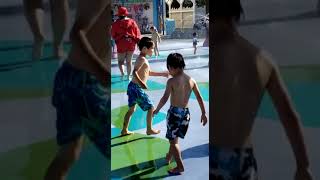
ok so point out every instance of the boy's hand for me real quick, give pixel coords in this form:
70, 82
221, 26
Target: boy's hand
204, 119
303, 174
166, 74
103, 78
143, 85
155, 112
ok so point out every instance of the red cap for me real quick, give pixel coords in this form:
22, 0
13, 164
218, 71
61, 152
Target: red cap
122, 11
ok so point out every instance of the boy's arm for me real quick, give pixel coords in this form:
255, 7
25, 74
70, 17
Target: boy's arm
288, 117
165, 96
200, 101
199, 97
82, 25
164, 74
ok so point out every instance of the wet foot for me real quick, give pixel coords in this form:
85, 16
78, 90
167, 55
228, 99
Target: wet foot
152, 131
175, 171
124, 133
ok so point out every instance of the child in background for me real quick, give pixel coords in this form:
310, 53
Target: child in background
195, 42
156, 39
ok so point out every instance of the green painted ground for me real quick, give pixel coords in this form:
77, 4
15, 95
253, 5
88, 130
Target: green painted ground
139, 157
138, 120
30, 162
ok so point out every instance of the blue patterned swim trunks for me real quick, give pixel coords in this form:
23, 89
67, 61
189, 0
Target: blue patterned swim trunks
177, 122
232, 164
136, 95
82, 106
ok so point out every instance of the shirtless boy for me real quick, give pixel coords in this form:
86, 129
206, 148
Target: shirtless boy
135, 92
179, 89
81, 88
240, 75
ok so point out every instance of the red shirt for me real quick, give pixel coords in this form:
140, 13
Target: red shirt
126, 34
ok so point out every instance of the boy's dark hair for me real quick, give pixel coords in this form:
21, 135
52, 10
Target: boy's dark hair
152, 27
175, 60
194, 34
145, 42
227, 8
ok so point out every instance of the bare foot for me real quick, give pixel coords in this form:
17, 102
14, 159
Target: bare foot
152, 131
37, 49
124, 133
168, 158
175, 171
58, 52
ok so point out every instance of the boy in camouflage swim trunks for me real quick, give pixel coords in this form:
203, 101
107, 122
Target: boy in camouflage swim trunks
179, 88
241, 74
135, 92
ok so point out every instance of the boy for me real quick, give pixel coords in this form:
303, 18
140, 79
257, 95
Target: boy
241, 74
81, 86
135, 92
156, 40
179, 88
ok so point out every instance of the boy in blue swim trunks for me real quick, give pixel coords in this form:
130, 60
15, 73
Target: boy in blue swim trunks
135, 92
81, 93
179, 89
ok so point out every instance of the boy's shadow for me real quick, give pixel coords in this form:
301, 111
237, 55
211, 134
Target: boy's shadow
196, 152
145, 168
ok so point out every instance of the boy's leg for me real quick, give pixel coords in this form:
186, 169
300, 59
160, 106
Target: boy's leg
64, 159
126, 121
59, 20
33, 11
151, 131
175, 149
169, 155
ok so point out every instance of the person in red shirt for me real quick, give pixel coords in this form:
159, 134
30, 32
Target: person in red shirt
126, 34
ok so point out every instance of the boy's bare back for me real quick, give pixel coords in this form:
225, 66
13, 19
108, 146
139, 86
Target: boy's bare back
241, 73
181, 88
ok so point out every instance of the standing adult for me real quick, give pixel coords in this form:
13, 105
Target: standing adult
126, 34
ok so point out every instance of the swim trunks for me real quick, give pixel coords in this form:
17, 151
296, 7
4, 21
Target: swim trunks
177, 122
136, 95
82, 106
232, 164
